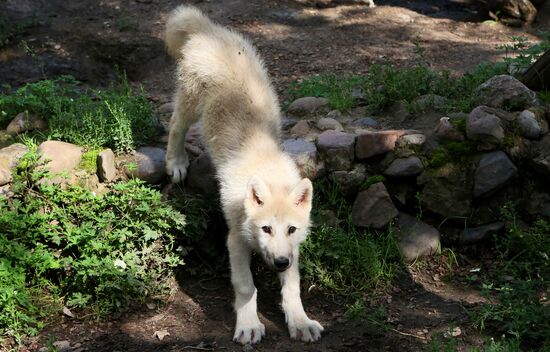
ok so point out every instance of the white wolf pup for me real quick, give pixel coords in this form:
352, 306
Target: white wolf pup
222, 81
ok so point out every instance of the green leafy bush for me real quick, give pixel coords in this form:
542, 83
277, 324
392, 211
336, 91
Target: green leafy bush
97, 252
115, 117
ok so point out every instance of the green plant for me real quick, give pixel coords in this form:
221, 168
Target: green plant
520, 53
115, 117
97, 252
344, 258
517, 308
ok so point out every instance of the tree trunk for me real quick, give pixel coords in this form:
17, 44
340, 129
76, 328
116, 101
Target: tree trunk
537, 76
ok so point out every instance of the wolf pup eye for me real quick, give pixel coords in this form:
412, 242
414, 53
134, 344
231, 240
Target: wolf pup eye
291, 230
266, 229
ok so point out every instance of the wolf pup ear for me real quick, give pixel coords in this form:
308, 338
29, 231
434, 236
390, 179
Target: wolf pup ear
301, 194
256, 194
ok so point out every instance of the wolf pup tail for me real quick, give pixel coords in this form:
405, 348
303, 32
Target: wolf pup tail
181, 24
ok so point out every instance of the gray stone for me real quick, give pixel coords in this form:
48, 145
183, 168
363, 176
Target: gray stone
446, 190
446, 131
327, 123
304, 154
148, 164
506, 92
24, 122
404, 167
106, 170
417, 239
484, 126
366, 122
307, 105
415, 139
495, 170
201, 175
370, 144
399, 111
537, 205
334, 114
349, 182
373, 207
479, 234
62, 346
336, 149
61, 157
300, 129
9, 157
541, 156
528, 125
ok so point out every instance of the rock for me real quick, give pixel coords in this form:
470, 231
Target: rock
300, 129
407, 140
5, 191
495, 169
304, 154
307, 105
484, 126
201, 175
248, 348
148, 164
446, 190
480, 234
370, 144
61, 157
536, 205
373, 207
446, 131
366, 122
399, 111
24, 122
528, 125
417, 239
540, 160
327, 123
506, 92
404, 167
62, 346
349, 182
106, 170
9, 157
336, 149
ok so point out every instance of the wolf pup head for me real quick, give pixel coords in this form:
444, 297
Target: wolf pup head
277, 220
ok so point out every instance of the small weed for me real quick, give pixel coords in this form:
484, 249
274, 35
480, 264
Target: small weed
371, 180
520, 54
89, 161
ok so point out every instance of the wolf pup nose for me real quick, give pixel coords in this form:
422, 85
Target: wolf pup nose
222, 81
281, 263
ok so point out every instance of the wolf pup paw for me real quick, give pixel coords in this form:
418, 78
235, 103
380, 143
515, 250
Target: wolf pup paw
176, 168
250, 332
305, 329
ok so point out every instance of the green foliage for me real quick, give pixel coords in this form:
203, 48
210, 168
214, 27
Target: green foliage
386, 84
115, 117
520, 54
98, 252
89, 161
341, 257
371, 180
518, 310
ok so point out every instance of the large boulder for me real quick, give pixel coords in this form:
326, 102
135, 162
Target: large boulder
416, 238
106, 169
349, 182
307, 105
404, 167
60, 157
540, 156
447, 190
474, 235
494, 171
484, 126
337, 149
24, 122
370, 144
147, 164
528, 125
9, 156
373, 207
506, 92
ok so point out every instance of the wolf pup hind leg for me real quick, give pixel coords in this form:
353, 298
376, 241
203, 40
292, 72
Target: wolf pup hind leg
222, 81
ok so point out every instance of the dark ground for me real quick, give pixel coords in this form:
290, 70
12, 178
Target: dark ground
89, 39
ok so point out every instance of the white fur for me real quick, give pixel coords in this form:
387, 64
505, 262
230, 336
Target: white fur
222, 81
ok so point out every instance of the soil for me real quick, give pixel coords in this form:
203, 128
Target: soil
93, 40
